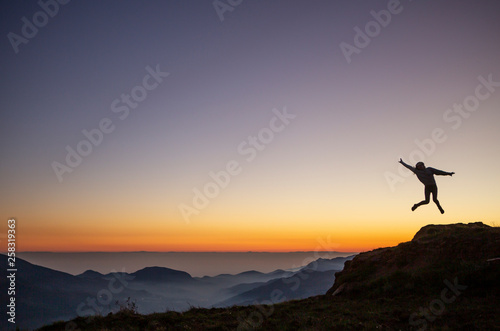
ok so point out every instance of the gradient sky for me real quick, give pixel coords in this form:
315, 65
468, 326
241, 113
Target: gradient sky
321, 179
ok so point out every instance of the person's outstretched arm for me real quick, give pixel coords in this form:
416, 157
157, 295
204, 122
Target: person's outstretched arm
441, 172
407, 165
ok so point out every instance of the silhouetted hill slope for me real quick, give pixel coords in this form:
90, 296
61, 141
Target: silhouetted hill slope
252, 276
310, 280
446, 278
435, 254
299, 286
44, 294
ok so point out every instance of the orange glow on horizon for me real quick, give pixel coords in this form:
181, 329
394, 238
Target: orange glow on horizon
198, 239
216, 231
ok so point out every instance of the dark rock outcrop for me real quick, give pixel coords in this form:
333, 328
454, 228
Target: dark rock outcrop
465, 252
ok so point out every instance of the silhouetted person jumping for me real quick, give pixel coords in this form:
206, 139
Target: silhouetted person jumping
426, 176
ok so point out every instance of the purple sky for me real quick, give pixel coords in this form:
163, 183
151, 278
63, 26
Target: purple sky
327, 168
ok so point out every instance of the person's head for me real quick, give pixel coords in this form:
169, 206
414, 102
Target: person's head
420, 166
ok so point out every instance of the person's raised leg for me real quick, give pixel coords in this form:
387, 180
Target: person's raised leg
427, 194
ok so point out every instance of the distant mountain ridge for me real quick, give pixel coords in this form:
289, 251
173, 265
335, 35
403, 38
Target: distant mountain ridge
160, 274
49, 295
297, 286
90, 274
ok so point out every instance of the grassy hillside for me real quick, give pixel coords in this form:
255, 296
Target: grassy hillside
445, 278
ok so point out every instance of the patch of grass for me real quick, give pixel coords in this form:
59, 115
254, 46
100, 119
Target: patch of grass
317, 313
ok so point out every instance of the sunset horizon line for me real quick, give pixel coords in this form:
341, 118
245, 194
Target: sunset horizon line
197, 251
